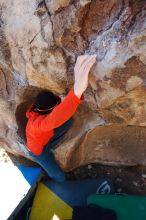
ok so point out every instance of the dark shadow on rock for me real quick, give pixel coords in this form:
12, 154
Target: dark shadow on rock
28, 95
21, 119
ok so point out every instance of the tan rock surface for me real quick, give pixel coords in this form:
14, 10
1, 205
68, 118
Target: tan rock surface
39, 43
56, 5
112, 145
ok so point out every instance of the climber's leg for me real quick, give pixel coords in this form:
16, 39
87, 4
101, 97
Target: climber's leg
46, 158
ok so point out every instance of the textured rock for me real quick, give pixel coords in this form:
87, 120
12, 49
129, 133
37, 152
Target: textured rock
54, 6
112, 145
39, 43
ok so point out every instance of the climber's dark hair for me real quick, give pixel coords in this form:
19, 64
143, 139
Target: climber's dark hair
45, 101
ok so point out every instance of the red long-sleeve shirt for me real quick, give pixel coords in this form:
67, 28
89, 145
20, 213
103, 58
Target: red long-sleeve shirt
40, 128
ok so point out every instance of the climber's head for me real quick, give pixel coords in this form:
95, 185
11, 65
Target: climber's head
45, 102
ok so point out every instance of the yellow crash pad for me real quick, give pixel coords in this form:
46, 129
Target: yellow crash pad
48, 206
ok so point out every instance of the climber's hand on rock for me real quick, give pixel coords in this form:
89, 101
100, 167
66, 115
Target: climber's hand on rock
81, 72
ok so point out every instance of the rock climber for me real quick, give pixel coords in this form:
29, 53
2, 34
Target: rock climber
49, 119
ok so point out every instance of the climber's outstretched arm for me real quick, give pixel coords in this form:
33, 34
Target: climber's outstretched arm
66, 109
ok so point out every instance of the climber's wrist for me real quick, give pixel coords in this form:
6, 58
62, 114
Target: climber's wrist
78, 91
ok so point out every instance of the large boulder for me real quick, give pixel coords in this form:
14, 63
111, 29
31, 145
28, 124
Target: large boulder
40, 41
111, 144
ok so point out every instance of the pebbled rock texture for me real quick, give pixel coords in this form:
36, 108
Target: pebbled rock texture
39, 44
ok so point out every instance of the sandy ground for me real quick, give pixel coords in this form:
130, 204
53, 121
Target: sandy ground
129, 180
4, 157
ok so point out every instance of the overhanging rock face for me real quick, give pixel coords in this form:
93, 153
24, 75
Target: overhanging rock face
40, 41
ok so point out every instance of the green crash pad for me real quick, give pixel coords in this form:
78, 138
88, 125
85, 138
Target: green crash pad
127, 207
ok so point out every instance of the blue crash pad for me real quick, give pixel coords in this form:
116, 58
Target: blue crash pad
76, 192
31, 174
